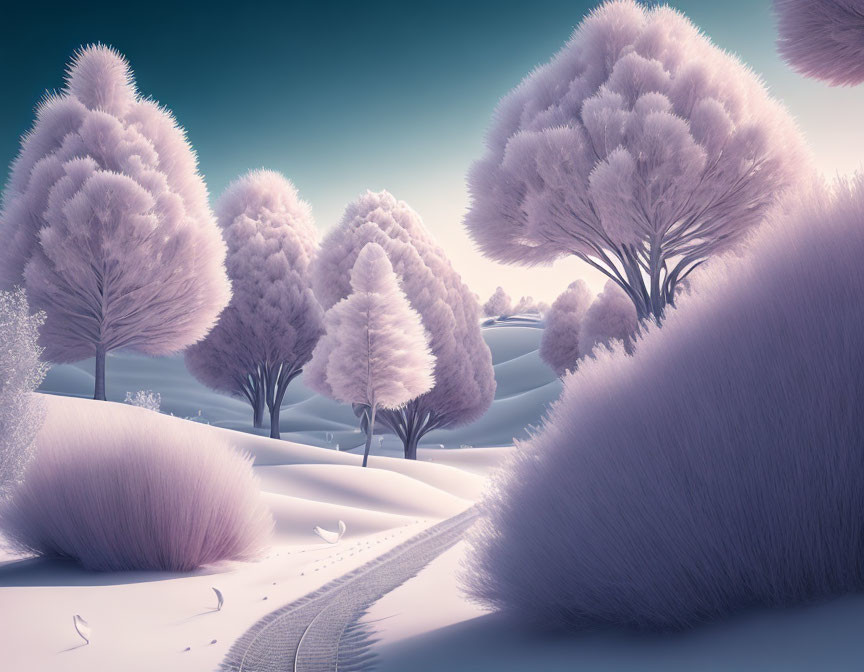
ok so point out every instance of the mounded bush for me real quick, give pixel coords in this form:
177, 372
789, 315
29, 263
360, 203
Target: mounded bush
136, 491
718, 468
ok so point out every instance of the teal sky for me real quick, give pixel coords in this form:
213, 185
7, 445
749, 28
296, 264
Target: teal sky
342, 97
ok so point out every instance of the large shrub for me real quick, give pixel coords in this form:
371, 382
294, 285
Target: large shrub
720, 467
136, 491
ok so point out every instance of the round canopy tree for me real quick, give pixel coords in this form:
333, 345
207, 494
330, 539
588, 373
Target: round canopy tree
464, 378
560, 346
823, 39
640, 148
107, 223
269, 329
611, 317
498, 305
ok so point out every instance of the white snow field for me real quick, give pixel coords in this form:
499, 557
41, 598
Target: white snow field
148, 620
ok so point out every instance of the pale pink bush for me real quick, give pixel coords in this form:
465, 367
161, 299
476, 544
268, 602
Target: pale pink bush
715, 470
144, 492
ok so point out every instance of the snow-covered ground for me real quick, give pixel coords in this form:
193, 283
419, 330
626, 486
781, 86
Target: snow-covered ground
430, 626
146, 621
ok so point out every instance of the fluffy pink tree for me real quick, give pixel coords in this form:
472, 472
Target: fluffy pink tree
498, 305
375, 352
640, 148
464, 378
526, 304
823, 38
106, 221
560, 346
268, 331
611, 317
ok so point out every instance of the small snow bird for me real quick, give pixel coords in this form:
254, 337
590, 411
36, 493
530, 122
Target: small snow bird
82, 627
220, 600
331, 537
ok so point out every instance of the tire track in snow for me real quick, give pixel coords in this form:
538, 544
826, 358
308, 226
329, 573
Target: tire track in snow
321, 632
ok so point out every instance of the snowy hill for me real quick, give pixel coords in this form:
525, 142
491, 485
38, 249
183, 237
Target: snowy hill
526, 386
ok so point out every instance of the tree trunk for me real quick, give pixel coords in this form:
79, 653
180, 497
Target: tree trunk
369, 432
99, 392
274, 415
410, 443
258, 410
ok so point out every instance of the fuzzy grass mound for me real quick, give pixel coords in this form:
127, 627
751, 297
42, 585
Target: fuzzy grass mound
719, 468
136, 491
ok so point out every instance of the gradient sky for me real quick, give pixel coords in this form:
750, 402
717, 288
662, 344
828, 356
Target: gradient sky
342, 97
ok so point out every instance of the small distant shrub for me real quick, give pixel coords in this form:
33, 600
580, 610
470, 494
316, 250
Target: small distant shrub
145, 399
143, 493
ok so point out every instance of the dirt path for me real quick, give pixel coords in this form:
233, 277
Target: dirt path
321, 632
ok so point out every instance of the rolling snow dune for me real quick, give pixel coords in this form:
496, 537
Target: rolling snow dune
373, 489
148, 620
525, 389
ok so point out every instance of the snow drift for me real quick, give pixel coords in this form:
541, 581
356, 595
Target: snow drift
718, 468
125, 494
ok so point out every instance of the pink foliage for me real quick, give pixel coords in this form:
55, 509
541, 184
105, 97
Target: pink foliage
498, 305
464, 378
560, 346
106, 220
375, 351
640, 148
526, 304
268, 331
145, 492
716, 469
611, 317
823, 38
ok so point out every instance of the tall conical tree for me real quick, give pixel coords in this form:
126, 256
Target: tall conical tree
106, 221
464, 378
375, 351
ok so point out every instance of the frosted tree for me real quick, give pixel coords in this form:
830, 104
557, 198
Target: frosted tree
269, 329
526, 304
640, 148
823, 39
560, 347
21, 371
498, 305
106, 221
375, 352
611, 317
464, 378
